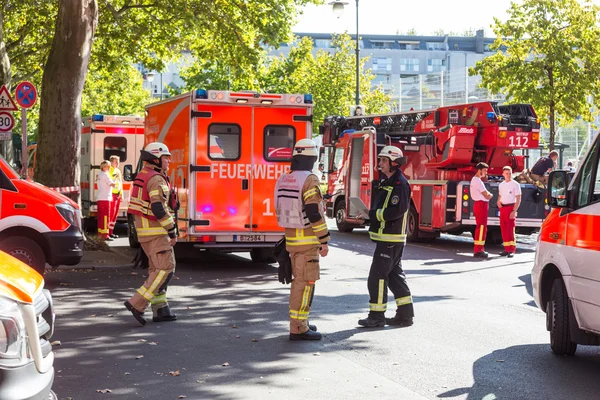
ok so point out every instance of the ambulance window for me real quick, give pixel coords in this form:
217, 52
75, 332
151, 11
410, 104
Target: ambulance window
589, 176
224, 141
279, 142
115, 146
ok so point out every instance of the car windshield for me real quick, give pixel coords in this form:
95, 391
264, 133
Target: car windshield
12, 171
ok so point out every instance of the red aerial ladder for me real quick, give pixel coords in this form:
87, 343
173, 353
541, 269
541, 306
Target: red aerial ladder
441, 147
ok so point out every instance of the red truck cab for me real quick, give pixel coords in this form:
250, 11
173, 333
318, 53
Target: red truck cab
37, 225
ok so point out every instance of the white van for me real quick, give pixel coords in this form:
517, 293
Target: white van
566, 273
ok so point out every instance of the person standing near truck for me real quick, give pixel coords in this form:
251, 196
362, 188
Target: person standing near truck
509, 200
104, 200
117, 194
481, 197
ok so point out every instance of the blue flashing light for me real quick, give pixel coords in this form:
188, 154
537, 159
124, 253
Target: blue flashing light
207, 209
201, 94
97, 117
308, 99
491, 115
347, 131
232, 210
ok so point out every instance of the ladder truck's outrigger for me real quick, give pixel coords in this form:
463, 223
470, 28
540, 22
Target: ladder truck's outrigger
441, 148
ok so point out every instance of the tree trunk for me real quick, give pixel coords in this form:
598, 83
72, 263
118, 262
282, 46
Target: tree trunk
62, 84
5, 69
552, 109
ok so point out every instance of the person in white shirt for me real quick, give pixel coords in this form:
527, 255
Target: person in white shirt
509, 200
481, 196
103, 200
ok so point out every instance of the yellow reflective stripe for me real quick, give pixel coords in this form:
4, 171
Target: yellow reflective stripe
385, 204
380, 292
478, 243
164, 188
379, 214
157, 281
388, 237
140, 202
404, 219
144, 293
167, 222
153, 193
319, 228
309, 193
161, 298
481, 234
305, 299
300, 315
377, 307
151, 231
301, 242
403, 300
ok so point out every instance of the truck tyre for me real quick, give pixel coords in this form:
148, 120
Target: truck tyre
412, 225
340, 218
262, 255
131, 233
25, 250
558, 314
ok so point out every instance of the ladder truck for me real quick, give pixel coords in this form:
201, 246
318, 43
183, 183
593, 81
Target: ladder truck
441, 148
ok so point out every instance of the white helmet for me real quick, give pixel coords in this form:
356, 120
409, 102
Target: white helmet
157, 149
391, 152
306, 147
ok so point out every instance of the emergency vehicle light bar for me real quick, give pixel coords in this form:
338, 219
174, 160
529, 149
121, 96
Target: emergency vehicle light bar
98, 117
252, 97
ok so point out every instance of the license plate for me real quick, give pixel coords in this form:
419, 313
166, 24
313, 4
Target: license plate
249, 238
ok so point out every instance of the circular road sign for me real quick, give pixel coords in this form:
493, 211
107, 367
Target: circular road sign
6, 121
26, 95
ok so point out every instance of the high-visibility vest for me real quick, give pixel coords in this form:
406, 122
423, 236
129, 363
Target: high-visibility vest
139, 203
116, 176
288, 200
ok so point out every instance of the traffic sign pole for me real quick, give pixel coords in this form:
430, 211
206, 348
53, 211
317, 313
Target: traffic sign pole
24, 142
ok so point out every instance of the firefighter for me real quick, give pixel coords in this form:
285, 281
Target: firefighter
155, 227
388, 216
509, 200
299, 208
481, 197
117, 194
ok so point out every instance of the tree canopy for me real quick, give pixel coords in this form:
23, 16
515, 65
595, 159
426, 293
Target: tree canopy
547, 54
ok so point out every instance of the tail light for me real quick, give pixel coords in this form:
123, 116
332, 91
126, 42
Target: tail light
502, 134
535, 136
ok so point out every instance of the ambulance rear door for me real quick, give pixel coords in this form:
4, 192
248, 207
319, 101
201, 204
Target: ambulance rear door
361, 171
276, 130
223, 158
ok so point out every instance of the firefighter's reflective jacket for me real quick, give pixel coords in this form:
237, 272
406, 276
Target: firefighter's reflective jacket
149, 204
390, 210
299, 207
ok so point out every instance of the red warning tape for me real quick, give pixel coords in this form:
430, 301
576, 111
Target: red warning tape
66, 189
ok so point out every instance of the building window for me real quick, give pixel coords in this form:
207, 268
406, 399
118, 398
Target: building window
224, 141
382, 64
409, 64
409, 46
380, 78
436, 46
436, 65
382, 44
322, 43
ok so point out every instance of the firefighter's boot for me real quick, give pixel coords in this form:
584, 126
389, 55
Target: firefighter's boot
136, 314
163, 315
399, 321
376, 319
308, 335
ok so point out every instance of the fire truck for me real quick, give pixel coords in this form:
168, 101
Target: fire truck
103, 136
227, 151
441, 148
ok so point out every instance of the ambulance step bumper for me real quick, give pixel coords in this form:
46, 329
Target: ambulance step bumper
66, 248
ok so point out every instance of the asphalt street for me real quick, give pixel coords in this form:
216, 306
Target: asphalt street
477, 332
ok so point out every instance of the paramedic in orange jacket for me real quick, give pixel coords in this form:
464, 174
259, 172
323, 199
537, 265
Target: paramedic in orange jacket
155, 227
299, 207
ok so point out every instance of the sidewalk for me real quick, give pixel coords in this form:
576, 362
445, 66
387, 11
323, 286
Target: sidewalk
119, 255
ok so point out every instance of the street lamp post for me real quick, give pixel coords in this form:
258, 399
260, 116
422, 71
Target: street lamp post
338, 10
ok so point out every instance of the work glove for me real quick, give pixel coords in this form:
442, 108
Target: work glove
284, 271
141, 259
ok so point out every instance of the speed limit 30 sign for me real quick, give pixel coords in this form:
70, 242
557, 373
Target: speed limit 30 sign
6, 121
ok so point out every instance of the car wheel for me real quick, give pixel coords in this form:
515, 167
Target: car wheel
558, 309
25, 250
262, 255
412, 225
131, 233
340, 218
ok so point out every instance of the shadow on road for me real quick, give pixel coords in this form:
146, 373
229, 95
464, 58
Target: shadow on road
527, 371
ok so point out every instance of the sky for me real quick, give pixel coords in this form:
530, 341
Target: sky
390, 16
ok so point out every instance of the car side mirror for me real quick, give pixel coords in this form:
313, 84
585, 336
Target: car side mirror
557, 189
128, 173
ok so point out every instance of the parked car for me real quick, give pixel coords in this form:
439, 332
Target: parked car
566, 273
26, 326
